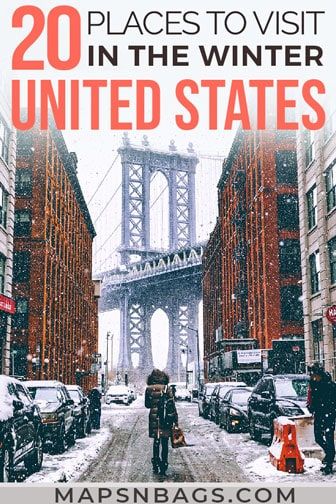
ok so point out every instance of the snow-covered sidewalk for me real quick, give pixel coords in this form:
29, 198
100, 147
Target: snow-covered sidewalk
71, 464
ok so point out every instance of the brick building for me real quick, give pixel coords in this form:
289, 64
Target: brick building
55, 328
7, 186
257, 289
317, 191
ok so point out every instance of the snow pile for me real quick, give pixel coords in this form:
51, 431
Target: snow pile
71, 464
262, 468
6, 402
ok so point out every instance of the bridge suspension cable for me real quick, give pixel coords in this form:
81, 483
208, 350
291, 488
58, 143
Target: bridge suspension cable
118, 226
107, 204
103, 179
110, 236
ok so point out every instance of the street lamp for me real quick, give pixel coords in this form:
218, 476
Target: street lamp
109, 337
198, 356
14, 352
185, 348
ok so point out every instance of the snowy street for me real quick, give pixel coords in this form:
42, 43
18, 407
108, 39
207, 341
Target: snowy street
121, 452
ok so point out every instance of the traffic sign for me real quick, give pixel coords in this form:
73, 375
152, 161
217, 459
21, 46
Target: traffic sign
331, 314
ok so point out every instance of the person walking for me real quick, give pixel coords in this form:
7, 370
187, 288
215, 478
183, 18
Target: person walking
159, 399
95, 407
321, 403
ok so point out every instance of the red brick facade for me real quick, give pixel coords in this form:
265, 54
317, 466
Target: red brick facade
57, 321
256, 297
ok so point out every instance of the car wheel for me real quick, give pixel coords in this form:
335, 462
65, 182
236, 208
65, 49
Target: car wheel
60, 445
33, 463
71, 438
7, 474
271, 433
82, 429
228, 425
88, 427
254, 432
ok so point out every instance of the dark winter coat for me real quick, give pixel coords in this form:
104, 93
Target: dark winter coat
95, 400
152, 397
322, 397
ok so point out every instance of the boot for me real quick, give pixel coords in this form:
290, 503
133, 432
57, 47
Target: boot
155, 464
163, 468
328, 469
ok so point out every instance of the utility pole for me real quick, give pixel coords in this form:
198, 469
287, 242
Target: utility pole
187, 364
112, 336
108, 337
198, 356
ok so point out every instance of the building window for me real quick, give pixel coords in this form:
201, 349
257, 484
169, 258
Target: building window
23, 182
2, 273
291, 303
288, 212
290, 257
20, 318
21, 267
3, 206
332, 259
286, 167
4, 140
312, 207
22, 223
309, 148
330, 178
315, 269
317, 332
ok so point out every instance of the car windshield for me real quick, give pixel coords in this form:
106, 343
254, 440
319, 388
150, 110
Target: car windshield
240, 396
295, 387
223, 390
75, 396
45, 394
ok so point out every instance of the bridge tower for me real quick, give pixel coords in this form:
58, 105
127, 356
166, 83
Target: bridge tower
138, 166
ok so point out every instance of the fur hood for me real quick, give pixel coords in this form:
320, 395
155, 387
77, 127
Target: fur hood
158, 377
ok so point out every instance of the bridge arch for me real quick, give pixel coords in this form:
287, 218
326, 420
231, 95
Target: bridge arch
159, 211
160, 338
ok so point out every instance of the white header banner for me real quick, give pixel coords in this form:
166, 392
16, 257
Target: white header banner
248, 356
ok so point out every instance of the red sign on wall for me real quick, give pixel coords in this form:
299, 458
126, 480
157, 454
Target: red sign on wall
331, 314
7, 304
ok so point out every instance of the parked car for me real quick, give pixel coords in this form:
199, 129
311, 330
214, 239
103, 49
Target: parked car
56, 406
81, 410
20, 430
217, 396
118, 394
204, 396
233, 410
181, 391
273, 396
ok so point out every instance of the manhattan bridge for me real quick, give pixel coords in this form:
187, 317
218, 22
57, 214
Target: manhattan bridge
151, 260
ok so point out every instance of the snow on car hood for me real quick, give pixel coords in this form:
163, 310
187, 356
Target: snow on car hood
46, 406
6, 402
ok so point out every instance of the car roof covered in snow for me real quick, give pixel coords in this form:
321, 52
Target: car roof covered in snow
290, 376
43, 383
4, 379
6, 401
73, 387
232, 384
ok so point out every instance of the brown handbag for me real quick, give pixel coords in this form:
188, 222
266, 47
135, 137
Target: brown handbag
177, 437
